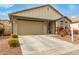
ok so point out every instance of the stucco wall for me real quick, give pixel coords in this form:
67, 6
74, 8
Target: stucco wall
53, 27
43, 12
14, 26
45, 27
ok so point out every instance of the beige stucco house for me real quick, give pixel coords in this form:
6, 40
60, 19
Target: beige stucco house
38, 20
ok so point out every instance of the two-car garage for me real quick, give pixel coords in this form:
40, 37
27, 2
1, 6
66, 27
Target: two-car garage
30, 27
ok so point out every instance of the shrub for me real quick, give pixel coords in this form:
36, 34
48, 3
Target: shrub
76, 31
13, 42
63, 33
1, 31
14, 36
68, 32
59, 29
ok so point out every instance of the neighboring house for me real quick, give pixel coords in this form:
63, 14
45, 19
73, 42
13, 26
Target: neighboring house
39, 20
1, 25
7, 26
75, 23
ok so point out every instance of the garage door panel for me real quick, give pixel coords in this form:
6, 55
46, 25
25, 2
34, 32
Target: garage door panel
29, 27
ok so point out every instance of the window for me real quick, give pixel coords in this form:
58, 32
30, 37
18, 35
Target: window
65, 21
61, 22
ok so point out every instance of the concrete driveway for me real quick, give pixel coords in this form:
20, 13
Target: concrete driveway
45, 44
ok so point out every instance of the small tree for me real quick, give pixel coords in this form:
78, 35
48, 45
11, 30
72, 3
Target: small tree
1, 31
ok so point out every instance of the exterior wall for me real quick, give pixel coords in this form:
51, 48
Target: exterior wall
45, 27
53, 28
43, 13
75, 26
58, 23
14, 26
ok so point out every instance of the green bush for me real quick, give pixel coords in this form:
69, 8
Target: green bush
1, 31
13, 42
14, 36
62, 34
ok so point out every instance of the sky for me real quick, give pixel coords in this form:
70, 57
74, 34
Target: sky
70, 10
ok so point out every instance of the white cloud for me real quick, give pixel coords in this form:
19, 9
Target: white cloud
74, 16
5, 6
5, 13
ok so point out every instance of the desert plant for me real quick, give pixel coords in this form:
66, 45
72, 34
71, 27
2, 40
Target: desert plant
13, 42
63, 33
76, 31
59, 29
1, 31
14, 36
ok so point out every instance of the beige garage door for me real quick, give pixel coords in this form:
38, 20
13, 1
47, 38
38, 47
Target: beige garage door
29, 27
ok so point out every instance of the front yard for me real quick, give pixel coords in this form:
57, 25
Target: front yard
66, 35
68, 38
31, 44
6, 50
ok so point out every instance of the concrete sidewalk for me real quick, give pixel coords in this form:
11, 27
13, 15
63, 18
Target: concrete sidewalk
45, 44
75, 52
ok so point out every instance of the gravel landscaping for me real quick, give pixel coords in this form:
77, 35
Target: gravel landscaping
6, 50
68, 38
